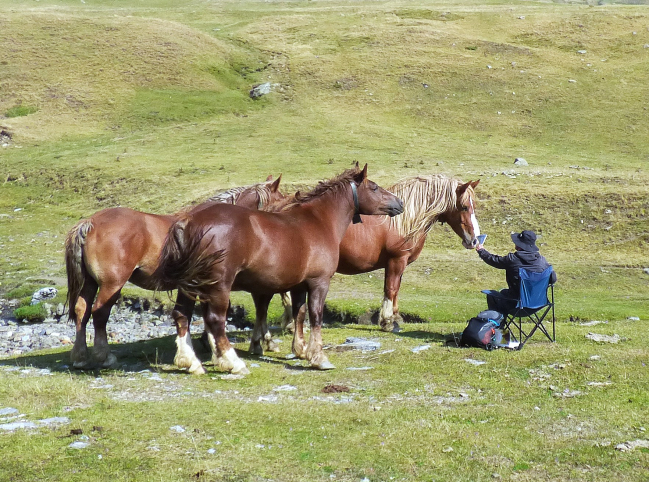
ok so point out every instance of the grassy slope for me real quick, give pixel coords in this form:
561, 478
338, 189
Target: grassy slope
129, 103
145, 105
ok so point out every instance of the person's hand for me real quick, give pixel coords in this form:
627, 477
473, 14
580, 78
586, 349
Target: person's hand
478, 247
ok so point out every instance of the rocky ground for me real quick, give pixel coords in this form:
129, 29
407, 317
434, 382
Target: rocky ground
130, 321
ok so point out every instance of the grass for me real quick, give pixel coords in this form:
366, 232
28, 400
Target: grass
146, 105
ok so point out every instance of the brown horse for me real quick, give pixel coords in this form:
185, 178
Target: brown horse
392, 244
223, 248
117, 245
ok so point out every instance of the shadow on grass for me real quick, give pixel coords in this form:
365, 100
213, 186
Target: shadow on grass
155, 355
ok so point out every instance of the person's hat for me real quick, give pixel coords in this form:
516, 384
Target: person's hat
525, 240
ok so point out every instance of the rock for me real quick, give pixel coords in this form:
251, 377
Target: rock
519, 161
420, 348
646, 270
592, 323
260, 90
79, 445
363, 344
43, 294
603, 338
7, 411
633, 318
177, 429
582, 52
474, 362
631, 446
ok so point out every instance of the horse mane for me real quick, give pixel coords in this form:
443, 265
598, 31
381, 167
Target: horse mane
337, 183
424, 198
231, 196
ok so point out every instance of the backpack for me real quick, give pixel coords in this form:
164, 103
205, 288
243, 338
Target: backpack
481, 330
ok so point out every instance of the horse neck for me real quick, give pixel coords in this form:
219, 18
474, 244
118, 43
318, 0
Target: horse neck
332, 209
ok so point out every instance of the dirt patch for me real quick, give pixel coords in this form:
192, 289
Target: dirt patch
335, 389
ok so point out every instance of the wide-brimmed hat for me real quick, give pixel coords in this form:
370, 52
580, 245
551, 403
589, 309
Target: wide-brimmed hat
525, 240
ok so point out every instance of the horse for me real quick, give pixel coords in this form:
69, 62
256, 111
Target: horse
394, 243
117, 245
225, 248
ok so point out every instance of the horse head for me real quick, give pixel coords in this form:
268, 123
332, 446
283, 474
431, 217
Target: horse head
259, 195
462, 219
370, 198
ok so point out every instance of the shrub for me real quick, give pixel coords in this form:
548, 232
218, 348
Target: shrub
31, 314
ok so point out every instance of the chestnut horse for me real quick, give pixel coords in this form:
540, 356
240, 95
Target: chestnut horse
224, 248
117, 245
392, 244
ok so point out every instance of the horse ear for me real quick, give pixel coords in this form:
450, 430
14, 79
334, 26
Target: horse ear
462, 188
275, 186
269, 178
475, 183
365, 172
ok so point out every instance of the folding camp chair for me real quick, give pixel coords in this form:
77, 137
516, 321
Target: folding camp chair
536, 301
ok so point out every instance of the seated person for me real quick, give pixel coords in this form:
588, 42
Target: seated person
525, 256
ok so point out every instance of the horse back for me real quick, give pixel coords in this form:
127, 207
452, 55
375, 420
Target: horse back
265, 251
122, 239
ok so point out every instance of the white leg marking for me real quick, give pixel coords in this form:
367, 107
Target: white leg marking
186, 357
238, 366
387, 310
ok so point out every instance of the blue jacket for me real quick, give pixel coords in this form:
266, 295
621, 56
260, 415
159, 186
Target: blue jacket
530, 260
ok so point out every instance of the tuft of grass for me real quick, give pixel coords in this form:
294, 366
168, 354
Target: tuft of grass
31, 313
20, 111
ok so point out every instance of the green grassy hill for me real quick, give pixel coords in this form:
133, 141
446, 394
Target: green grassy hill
146, 105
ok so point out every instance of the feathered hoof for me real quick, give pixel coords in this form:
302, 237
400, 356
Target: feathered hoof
323, 365
272, 346
299, 351
242, 370
290, 327
197, 368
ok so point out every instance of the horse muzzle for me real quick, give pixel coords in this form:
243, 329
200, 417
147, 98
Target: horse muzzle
394, 208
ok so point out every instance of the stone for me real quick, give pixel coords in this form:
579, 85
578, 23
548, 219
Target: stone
631, 446
44, 294
519, 161
260, 90
363, 344
420, 348
603, 338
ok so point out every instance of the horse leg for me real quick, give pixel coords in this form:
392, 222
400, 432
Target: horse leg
314, 353
288, 321
260, 331
106, 298
393, 274
298, 302
223, 355
82, 311
185, 355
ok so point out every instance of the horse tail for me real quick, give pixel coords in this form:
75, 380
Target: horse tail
74, 265
183, 262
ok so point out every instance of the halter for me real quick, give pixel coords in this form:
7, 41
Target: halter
357, 215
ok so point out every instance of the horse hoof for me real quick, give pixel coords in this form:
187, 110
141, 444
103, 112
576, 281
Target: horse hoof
325, 365
256, 349
109, 361
389, 327
272, 346
396, 329
242, 370
197, 369
81, 365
